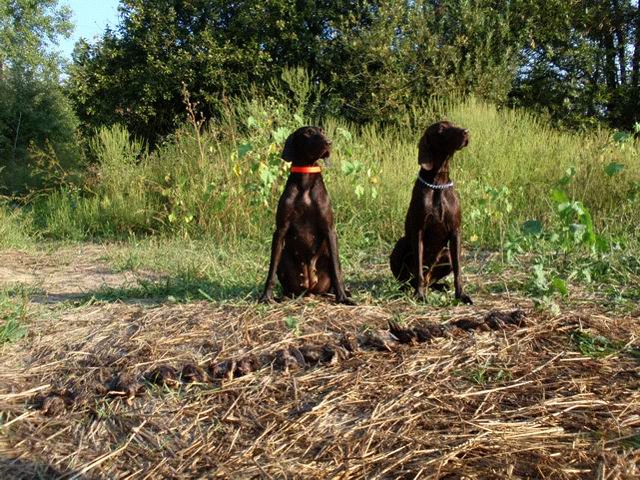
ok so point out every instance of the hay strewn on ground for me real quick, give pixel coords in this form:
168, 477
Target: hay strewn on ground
510, 403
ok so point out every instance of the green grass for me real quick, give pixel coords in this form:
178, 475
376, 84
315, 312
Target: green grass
203, 270
192, 269
224, 183
484, 375
598, 346
293, 324
15, 228
632, 442
13, 316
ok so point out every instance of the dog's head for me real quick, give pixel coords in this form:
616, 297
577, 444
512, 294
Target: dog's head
439, 142
306, 145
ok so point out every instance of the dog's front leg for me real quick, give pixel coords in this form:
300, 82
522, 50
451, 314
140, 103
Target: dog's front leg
336, 271
277, 246
418, 248
454, 249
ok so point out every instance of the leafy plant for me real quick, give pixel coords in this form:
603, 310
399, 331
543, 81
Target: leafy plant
598, 346
293, 324
487, 374
364, 179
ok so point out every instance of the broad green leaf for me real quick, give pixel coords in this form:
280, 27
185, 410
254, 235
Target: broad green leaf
532, 227
559, 196
281, 134
621, 137
613, 168
568, 175
244, 149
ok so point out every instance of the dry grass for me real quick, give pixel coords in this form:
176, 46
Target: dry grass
517, 402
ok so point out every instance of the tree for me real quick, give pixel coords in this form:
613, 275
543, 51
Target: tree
375, 57
570, 58
34, 113
136, 74
402, 53
577, 64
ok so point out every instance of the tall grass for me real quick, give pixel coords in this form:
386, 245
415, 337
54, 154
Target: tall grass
15, 228
222, 180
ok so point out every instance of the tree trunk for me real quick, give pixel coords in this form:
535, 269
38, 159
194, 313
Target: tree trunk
609, 59
635, 64
619, 30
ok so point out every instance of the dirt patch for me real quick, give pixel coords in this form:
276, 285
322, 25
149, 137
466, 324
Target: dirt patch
67, 274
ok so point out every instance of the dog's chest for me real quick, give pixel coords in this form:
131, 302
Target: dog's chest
309, 218
440, 213
308, 207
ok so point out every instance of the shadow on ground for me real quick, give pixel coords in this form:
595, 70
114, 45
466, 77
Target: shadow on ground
173, 289
19, 469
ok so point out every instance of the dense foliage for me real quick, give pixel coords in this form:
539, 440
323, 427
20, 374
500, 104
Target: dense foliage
34, 112
370, 62
582, 62
575, 59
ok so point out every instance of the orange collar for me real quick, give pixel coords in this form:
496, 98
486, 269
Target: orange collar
311, 169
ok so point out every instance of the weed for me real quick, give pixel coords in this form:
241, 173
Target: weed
293, 324
13, 315
631, 442
598, 346
222, 179
486, 374
16, 227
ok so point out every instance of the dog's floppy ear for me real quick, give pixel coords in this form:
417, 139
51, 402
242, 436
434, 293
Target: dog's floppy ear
288, 152
425, 153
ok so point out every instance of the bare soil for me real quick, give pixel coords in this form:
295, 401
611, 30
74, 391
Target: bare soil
66, 274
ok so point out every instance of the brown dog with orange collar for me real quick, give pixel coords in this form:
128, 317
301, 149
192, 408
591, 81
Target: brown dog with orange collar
304, 249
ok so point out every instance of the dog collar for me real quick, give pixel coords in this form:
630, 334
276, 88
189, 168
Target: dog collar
443, 186
311, 169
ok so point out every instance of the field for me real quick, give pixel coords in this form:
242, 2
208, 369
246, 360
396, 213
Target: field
133, 347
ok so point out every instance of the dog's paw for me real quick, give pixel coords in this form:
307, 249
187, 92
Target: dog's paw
266, 299
420, 296
464, 298
346, 301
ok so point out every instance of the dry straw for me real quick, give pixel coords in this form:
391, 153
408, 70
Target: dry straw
515, 402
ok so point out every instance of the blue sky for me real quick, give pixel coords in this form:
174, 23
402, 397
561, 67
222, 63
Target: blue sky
90, 18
